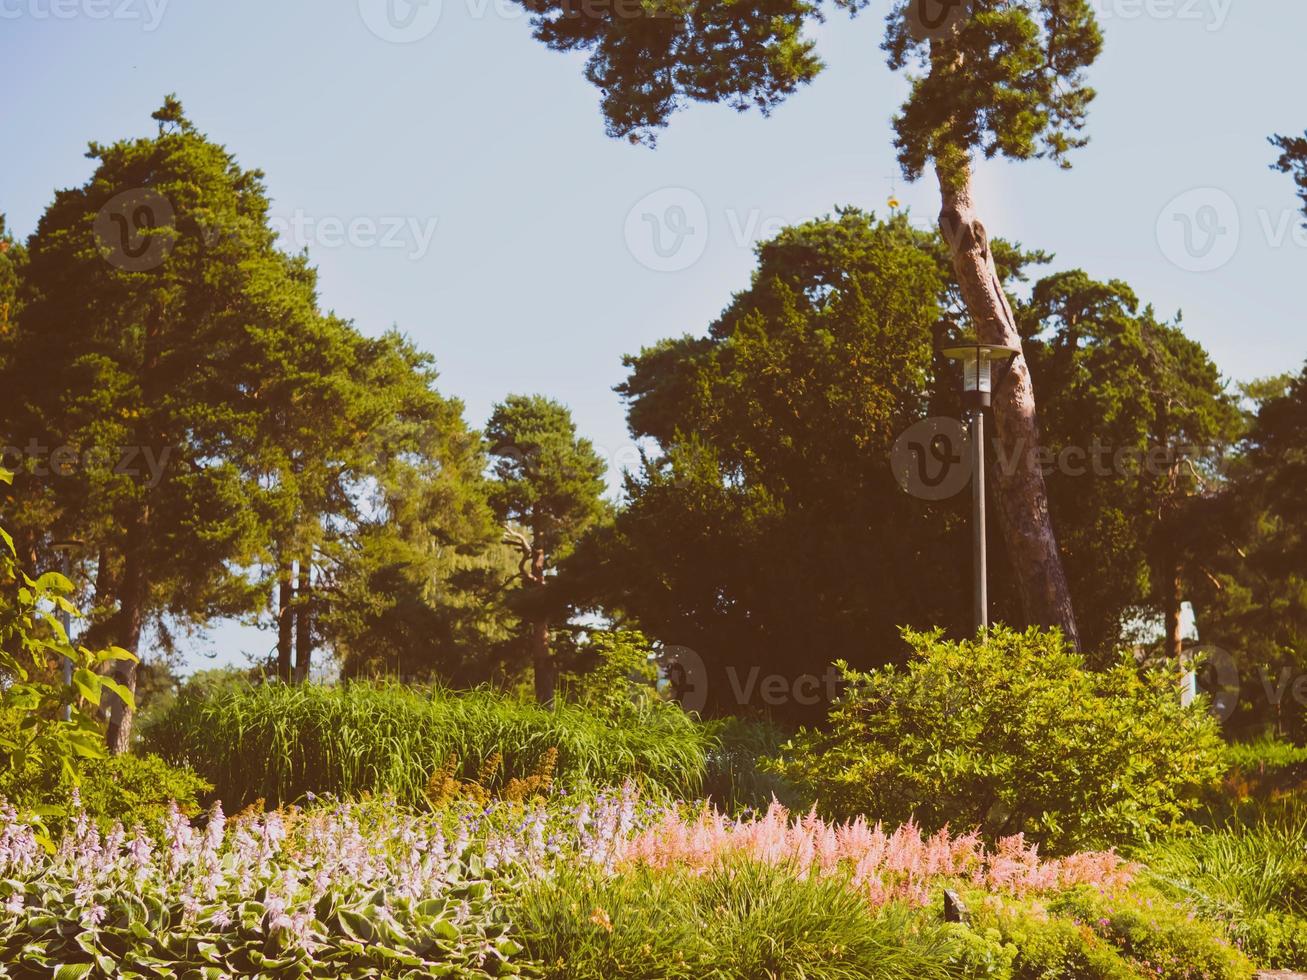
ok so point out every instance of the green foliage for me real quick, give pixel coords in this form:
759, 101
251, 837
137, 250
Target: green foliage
547, 479
34, 647
356, 933
1153, 934
980, 955
652, 57
1262, 770
1011, 734
402, 569
1250, 875
548, 493
1293, 160
279, 743
617, 675
1254, 604
1009, 81
120, 788
739, 921
1142, 418
738, 778
1265, 753
1276, 939
1054, 948
768, 533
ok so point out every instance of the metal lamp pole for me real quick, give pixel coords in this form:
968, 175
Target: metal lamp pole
979, 561
977, 360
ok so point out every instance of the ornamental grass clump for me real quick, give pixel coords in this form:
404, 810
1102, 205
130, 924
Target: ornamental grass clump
279, 742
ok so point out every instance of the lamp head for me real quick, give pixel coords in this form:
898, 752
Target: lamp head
976, 359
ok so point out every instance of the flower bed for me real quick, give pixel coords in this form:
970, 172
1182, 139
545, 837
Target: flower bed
369, 888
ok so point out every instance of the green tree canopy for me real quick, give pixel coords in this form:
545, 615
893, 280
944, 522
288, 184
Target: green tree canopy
1137, 421
766, 531
998, 78
547, 490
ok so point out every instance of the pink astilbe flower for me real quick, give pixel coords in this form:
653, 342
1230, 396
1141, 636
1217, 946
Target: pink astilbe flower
899, 865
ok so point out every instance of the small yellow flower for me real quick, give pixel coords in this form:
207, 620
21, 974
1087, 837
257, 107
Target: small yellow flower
600, 918
894, 202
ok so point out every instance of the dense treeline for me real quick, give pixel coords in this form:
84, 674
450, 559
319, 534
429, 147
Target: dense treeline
219, 446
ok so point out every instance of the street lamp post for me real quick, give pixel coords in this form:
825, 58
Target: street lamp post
64, 549
977, 360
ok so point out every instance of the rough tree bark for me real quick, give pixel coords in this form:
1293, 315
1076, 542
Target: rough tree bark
1023, 499
531, 568
303, 623
131, 615
285, 620
542, 662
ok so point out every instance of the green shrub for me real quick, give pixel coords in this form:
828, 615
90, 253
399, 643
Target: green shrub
1265, 754
1058, 949
1156, 936
280, 743
1276, 939
741, 920
127, 788
979, 955
1012, 734
34, 648
618, 679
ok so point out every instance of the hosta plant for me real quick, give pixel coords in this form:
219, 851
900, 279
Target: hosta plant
333, 893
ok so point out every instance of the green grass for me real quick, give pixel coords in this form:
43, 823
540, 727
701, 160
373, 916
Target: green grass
1248, 873
740, 921
1243, 867
279, 742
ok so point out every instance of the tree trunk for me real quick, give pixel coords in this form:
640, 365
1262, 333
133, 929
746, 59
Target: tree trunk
303, 623
131, 614
1023, 498
542, 663
546, 673
285, 620
1173, 594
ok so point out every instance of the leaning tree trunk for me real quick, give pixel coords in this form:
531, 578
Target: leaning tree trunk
1023, 498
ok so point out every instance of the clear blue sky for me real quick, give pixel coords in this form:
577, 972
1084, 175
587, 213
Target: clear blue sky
539, 274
